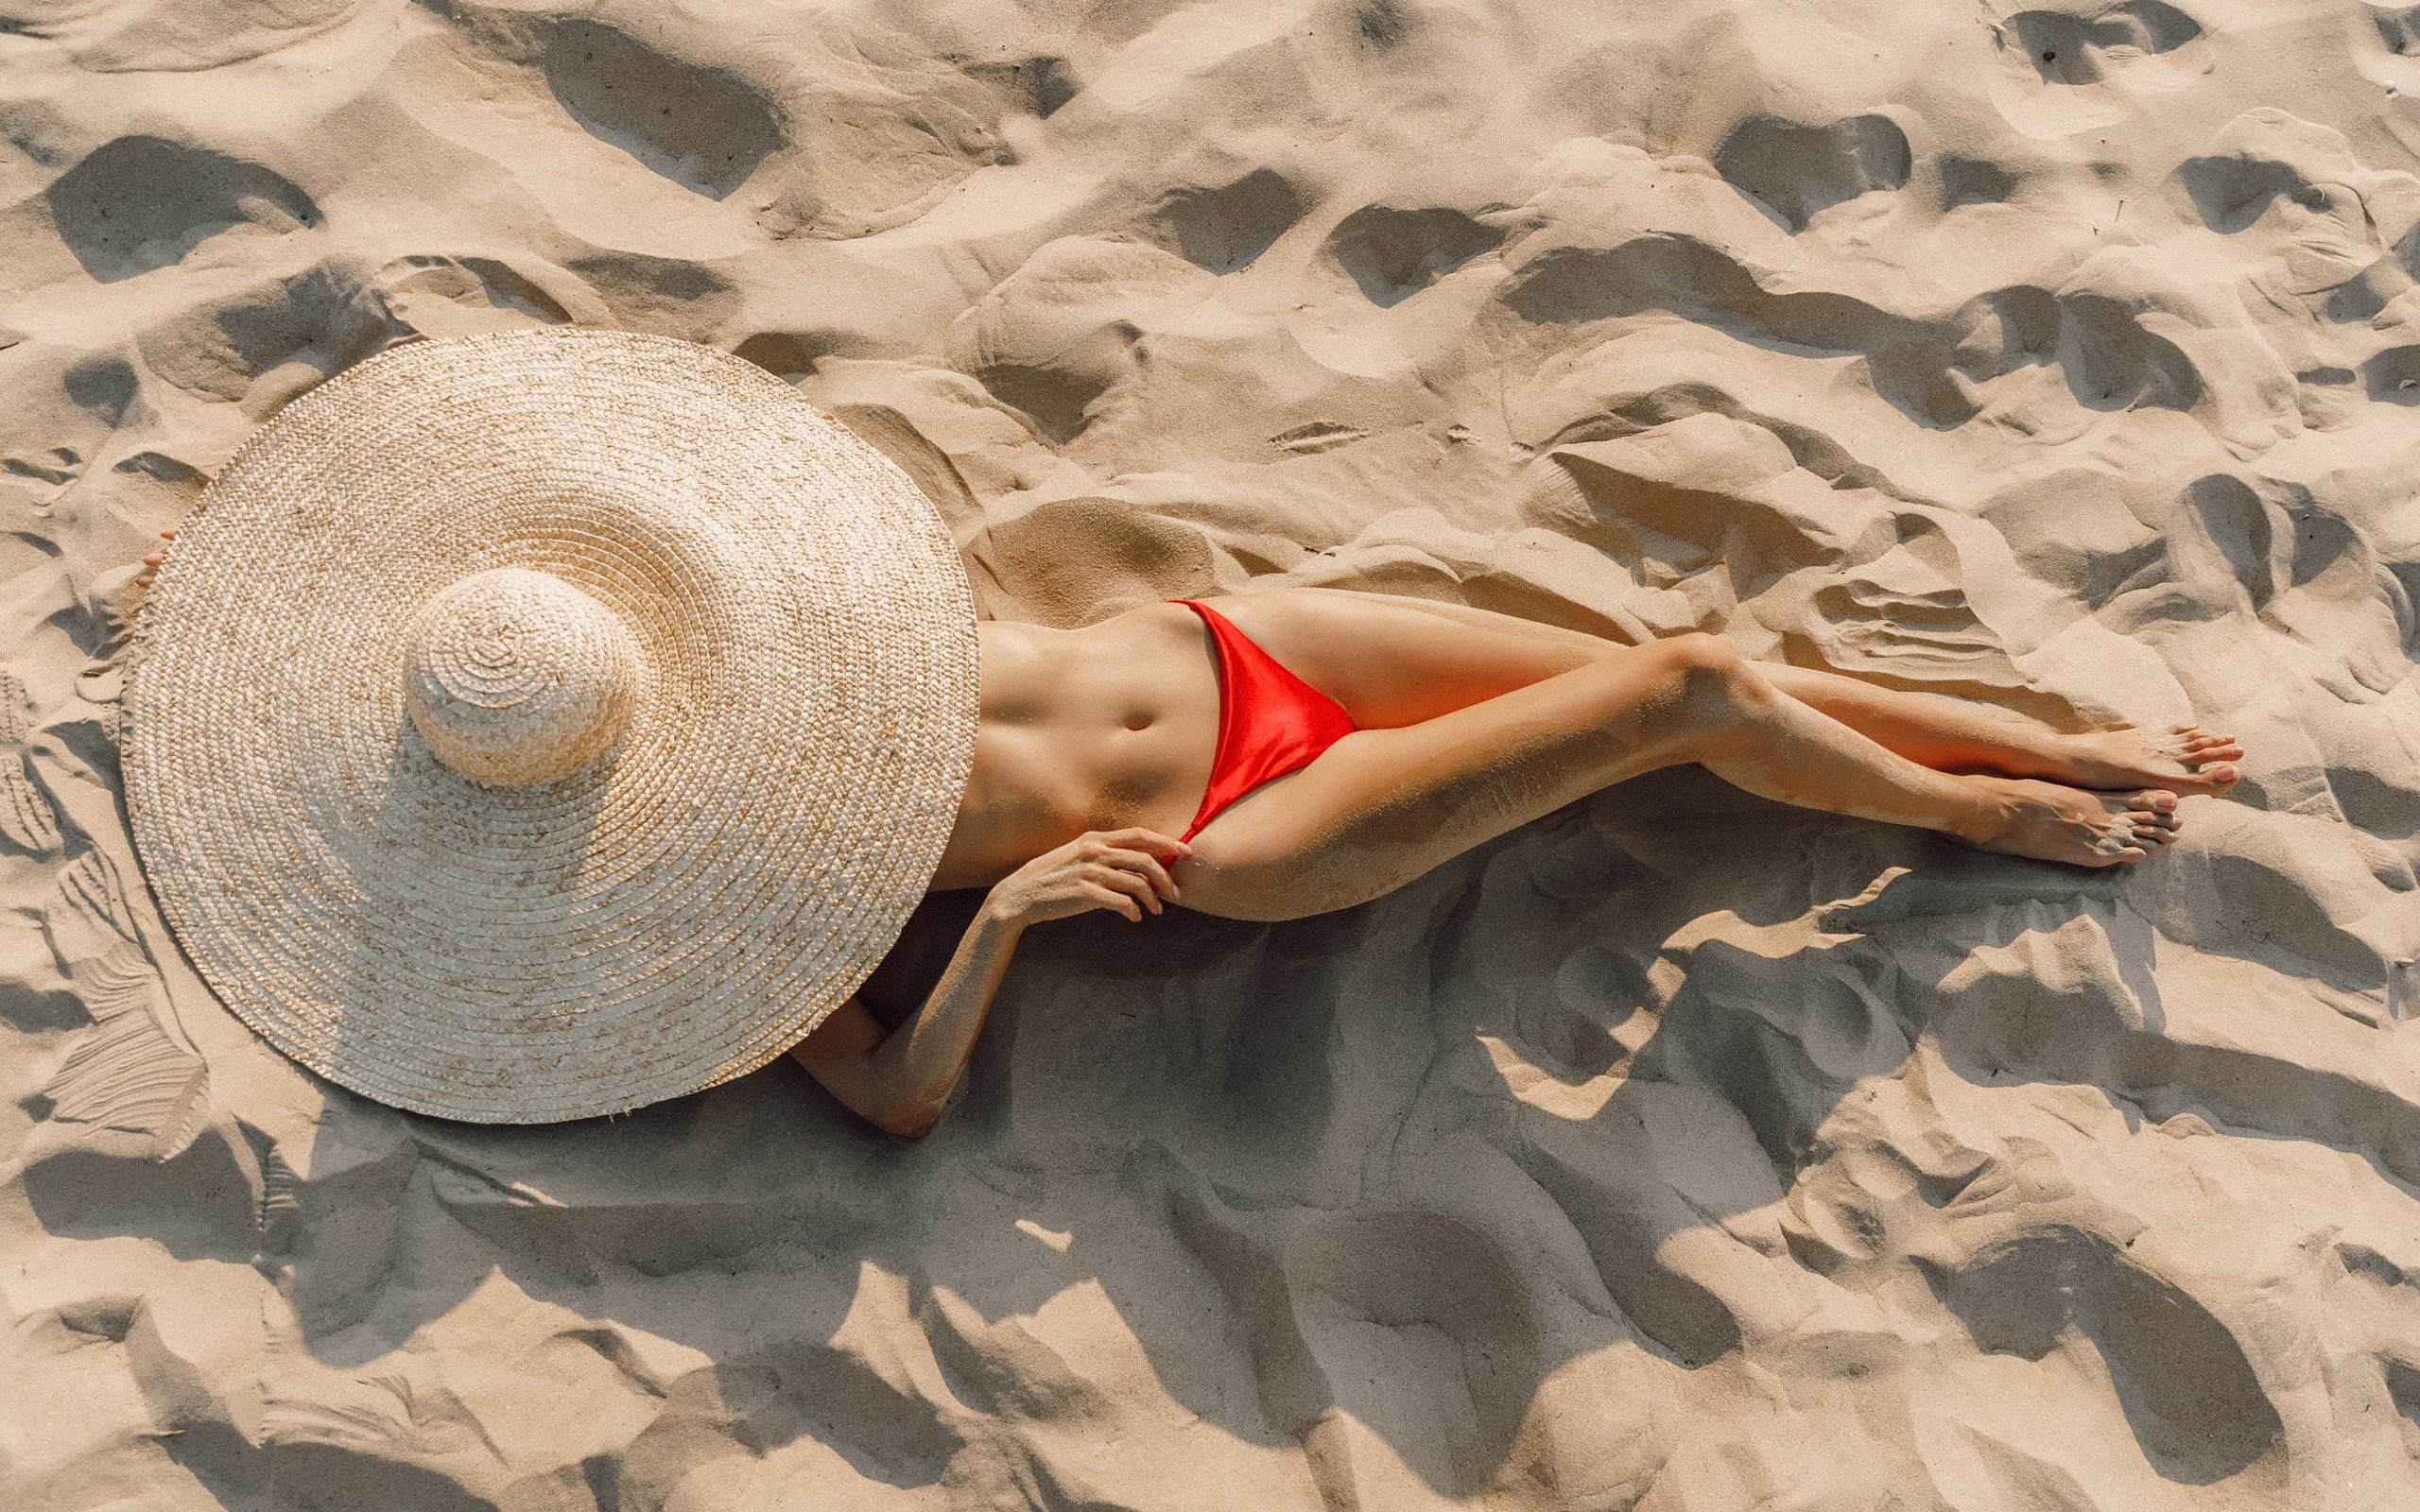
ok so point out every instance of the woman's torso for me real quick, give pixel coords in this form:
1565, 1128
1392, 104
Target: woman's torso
1094, 728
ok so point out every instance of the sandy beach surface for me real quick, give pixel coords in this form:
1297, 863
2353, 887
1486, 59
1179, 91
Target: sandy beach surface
1681, 1152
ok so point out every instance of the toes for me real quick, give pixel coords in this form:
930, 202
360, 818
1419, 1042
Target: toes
2154, 800
2194, 741
2223, 775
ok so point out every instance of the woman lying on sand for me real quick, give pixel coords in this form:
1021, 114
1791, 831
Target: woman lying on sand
1268, 756
1331, 745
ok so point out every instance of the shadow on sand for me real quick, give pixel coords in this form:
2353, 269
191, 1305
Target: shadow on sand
1616, 1083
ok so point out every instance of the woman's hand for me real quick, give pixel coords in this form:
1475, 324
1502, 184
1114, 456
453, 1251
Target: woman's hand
1123, 870
899, 1080
152, 563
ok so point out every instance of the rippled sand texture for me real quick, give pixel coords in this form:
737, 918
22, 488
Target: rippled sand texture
1682, 1151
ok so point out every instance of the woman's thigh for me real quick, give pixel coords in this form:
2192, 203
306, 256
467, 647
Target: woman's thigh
1394, 662
1383, 806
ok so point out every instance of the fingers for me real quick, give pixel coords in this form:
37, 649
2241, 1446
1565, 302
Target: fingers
1103, 897
152, 563
1126, 883
1145, 852
1124, 870
1150, 841
1146, 867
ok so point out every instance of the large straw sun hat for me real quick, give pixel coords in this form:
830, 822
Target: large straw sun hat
545, 723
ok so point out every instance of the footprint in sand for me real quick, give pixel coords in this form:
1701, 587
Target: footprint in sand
1392, 254
2069, 49
701, 127
1799, 171
1225, 229
2063, 73
2182, 1385
2386, 43
139, 203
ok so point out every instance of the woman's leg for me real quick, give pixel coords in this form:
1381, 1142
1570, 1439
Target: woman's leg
1951, 735
1383, 806
1392, 661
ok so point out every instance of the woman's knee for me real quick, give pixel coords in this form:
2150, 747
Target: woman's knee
1714, 689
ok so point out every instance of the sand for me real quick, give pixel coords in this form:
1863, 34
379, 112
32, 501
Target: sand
1680, 1151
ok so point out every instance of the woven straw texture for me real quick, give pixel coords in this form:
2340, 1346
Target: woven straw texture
543, 723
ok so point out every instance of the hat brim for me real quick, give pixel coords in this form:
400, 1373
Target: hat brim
673, 917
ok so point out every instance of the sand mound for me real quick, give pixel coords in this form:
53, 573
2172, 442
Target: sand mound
1678, 1152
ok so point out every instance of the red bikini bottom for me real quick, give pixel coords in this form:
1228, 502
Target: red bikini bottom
1270, 722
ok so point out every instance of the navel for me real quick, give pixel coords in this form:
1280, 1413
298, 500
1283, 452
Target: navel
1139, 719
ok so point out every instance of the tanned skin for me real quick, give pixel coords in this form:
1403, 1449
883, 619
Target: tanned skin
1094, 748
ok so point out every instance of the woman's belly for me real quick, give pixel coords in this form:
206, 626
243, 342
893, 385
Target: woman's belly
1102, 728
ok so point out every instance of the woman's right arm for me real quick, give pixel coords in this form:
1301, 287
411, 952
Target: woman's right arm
898, 1079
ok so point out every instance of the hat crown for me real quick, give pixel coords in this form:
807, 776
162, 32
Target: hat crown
515, 677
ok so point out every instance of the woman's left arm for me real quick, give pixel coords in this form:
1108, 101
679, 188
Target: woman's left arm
899, 1079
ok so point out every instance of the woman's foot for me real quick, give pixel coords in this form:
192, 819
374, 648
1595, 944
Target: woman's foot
2050, 821
2186, 760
